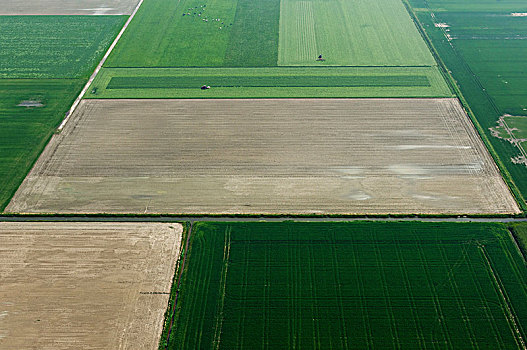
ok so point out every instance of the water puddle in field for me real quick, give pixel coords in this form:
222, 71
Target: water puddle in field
30, 104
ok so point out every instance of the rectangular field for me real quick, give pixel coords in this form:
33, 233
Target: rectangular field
351, 286
68, 7
54, 46
85, 285
350, 33
296, 156
269, 82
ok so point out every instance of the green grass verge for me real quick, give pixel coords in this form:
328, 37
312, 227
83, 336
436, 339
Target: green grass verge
24, 131
269, 82
479, 104
368, 33
519, 232
357, 284
54, 46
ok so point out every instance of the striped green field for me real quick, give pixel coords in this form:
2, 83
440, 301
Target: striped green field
351, 285
269, 82
349, 33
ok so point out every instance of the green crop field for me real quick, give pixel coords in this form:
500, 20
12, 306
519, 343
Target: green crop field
351, 285
170, 47
54, 46
350, 33
44, 62
483, 49
24, 131
269, 82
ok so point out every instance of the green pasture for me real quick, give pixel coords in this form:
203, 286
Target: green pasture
269, 82
351, 285
24, 131
485, 57
54, 46
200, 33
349, 33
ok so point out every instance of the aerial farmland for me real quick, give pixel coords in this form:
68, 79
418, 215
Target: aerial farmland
143, 141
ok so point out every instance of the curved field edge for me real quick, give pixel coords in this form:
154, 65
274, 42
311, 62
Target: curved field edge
489, 246
509, 180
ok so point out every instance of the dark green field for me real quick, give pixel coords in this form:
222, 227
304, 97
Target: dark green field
351, 285
485, 56
47, 60
24, 131
54, 46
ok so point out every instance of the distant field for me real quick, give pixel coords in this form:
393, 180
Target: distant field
24, 131
269, 82
482, 45
85, 285
54, 46
296, 156
364, 33
351, 285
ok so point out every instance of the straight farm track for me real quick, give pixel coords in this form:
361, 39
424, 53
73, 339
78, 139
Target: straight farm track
294, 156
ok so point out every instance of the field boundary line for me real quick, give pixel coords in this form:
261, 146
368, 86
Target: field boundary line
510, 315
181, 269
223, 286
498, 163
98, 68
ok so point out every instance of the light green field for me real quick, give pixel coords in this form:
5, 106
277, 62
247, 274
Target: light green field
349, 33
269, 82
518, 125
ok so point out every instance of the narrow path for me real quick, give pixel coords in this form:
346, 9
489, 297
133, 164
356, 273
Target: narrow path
193, 219
99, 66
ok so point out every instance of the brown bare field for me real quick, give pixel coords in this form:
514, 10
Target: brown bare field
67, 7
296, 156
85, 285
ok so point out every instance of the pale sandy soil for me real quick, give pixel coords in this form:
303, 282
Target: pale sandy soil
85, 285
266, 156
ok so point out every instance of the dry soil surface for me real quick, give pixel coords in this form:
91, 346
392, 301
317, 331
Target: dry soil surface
67, 7
266, 156
85, 285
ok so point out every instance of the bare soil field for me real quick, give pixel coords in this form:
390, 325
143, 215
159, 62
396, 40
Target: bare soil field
294, 156
68, 7
85, 285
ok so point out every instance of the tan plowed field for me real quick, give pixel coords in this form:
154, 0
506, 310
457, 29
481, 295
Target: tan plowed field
85, 285
67, 7
266, 156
